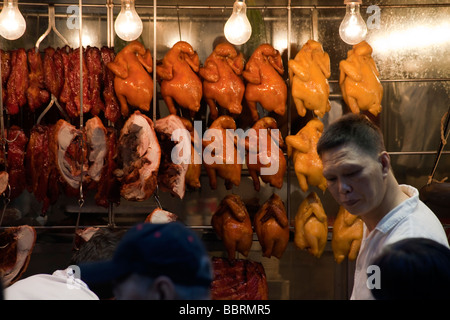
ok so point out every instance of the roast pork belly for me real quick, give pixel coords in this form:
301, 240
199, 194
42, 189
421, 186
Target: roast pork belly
139, 156
160, 216
240, 279
67, 152
108, 187
97, 147
16, 246
172, 172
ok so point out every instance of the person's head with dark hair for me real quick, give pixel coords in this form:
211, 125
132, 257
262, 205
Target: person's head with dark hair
358, 169
101, 246
166, 261
356, 129
413, 268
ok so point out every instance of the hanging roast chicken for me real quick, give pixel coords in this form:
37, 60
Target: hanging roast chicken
265, 158
132, 83
272, 227
309, 71
139, 156
360, 86
180, 84
264, 82
222, 83
347, 235
232, 224
220, 155
307, 164
311, 226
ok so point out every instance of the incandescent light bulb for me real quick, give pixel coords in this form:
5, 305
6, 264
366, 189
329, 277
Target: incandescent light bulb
128, 25
353, 29
238, 29
12, 23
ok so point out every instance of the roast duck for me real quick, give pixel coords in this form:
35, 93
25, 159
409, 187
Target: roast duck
180, 83
264, 82
272, 227
302, 149
359, 80
219, 160
347, 235
16, 246
132, 82
222, 83
172, 134
233, 225
311, 226
309, 71
240, 279
264, 157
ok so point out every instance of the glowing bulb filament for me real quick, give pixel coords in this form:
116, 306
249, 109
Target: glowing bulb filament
128, 25
12, 23
238, 29
353, 29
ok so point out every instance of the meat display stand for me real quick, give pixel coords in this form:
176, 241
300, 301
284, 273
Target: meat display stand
406, 75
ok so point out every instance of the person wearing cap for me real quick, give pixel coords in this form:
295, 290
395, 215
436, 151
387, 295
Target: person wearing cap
164, 261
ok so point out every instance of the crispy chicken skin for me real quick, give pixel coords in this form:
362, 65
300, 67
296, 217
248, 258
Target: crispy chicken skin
132, 82
302, 148
309, 71
311, 226
272, 227
222, 84
347, 235
180, 83
232, 223
269, 157
264, 82
360, 86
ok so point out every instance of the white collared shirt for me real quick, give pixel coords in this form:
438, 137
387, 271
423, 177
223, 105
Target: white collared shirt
60, 285
412, 218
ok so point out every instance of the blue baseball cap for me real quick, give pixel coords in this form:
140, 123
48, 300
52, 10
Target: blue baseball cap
169, 249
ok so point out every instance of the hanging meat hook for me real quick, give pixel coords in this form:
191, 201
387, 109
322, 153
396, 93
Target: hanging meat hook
51, 26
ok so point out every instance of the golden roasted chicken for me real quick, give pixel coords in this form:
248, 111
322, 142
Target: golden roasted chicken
302, 148
347, 235
360, 86
272, 227
264, 82
309, 71
311, 226
222, 83
232, 224
219, 160
132, 82
180, 83
265, 162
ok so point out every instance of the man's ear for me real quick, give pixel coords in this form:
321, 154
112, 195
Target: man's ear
385, 161
164, 288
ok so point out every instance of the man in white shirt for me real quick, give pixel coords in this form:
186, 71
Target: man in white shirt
359, 176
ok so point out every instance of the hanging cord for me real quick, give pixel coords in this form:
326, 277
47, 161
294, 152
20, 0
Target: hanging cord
82, 142
444, 136
179, 23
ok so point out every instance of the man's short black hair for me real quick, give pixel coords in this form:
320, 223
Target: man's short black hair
352, 128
